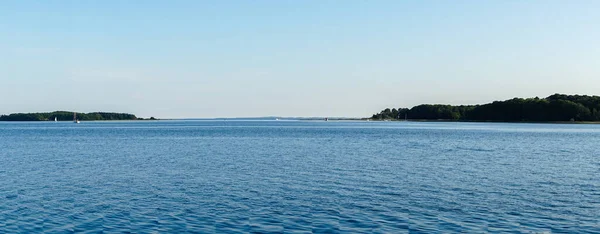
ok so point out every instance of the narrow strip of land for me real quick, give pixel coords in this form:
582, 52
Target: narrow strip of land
68, 116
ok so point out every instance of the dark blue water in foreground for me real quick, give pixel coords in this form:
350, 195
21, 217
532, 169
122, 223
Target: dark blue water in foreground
298, 177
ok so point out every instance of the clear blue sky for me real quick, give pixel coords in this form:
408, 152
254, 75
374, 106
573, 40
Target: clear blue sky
290, 58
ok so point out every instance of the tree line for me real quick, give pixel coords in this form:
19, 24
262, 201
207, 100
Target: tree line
557, 107
67, 116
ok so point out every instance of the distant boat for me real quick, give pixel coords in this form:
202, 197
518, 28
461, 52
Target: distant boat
276, 118
326, 119
75, 120
55, 119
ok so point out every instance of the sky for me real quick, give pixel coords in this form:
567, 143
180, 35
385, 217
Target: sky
202, 59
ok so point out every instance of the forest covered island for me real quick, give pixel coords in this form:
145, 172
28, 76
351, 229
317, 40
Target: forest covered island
555, 108
68, 116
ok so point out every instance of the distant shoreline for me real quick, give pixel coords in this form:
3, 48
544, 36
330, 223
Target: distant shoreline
481, 121
336, 120
70, 116
557, 108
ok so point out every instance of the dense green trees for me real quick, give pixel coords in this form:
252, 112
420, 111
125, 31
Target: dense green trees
558, 107
67, 116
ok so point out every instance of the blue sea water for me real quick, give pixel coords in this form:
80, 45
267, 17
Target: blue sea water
298, 177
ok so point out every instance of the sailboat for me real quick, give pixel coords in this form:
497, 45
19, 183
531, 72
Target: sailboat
55, 119
75, 120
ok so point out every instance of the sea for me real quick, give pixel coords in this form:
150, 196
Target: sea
266, 176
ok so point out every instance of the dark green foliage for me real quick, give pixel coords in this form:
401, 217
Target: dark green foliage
436, 112
67, 116
558, 107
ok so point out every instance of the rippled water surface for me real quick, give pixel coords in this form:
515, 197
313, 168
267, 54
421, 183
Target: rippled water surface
298, 177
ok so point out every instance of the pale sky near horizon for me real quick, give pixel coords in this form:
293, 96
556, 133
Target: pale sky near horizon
177, 59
